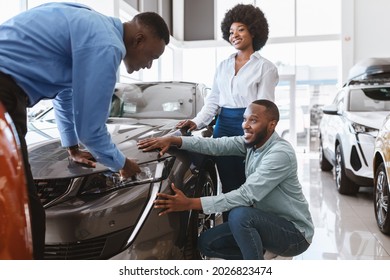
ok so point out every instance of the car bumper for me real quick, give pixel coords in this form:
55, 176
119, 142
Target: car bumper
121, 225
360, 160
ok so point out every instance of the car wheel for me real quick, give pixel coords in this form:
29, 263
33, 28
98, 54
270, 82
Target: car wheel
199, 221
325, 165
343, 183
381, 199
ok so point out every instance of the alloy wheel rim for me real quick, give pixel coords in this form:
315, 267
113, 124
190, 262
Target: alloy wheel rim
338, 168
381, 199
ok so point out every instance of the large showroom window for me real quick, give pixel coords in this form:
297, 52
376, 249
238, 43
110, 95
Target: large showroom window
304, 42
9, 9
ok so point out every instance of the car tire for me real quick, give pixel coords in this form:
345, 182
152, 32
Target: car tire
381, 199
199, 221
343, 183
325, 165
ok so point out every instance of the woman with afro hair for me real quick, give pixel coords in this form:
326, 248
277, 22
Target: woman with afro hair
243, 77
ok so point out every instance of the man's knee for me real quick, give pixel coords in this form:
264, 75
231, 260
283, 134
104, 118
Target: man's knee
238, 215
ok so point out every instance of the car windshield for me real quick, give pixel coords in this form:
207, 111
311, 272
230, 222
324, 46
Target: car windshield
369, 99
153, 101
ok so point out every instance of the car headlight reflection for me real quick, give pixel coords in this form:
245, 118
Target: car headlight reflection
359, 128
151, 172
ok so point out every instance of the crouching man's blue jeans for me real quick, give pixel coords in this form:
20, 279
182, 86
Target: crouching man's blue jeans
248, 233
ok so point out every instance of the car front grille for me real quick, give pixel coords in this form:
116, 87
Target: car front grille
81, 250
48, 190
102, 247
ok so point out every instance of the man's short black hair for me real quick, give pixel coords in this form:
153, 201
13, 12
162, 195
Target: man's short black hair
252, 17
156, 24
271, 108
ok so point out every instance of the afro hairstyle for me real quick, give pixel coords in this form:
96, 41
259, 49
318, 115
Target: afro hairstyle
252, 17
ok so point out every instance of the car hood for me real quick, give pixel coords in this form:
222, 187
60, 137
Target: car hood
370, 119
49, 160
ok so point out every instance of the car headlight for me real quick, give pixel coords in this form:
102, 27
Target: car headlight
359, 128
151, 172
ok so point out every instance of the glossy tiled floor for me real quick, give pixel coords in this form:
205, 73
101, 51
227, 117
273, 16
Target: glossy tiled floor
345, 226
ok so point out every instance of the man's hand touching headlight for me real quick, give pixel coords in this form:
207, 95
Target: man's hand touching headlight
130, 169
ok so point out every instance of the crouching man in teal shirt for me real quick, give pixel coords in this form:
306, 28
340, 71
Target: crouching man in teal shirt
267, 212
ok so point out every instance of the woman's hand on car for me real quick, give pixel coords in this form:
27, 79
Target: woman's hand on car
190, 125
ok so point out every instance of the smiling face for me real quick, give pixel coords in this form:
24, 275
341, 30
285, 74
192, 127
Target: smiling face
142, 50
257, 125
240, 37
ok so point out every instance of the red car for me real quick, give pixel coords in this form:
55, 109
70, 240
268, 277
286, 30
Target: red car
15, 230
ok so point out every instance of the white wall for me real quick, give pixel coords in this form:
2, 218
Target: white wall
372, 28
366, 31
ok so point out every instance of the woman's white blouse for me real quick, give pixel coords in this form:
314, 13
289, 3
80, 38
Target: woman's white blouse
255, 80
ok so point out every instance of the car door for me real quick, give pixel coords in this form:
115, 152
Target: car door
331, 125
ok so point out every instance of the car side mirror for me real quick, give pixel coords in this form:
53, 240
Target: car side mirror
330, 110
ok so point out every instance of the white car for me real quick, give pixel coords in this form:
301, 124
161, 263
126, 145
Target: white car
351, 123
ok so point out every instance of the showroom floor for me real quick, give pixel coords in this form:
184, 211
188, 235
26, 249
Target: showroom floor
345, 226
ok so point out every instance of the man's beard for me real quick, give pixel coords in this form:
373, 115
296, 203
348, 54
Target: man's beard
258, 139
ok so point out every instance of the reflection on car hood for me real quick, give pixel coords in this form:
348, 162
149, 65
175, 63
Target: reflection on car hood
49, 160
370, 119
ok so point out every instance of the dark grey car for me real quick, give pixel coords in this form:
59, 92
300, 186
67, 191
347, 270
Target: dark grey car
92, 214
